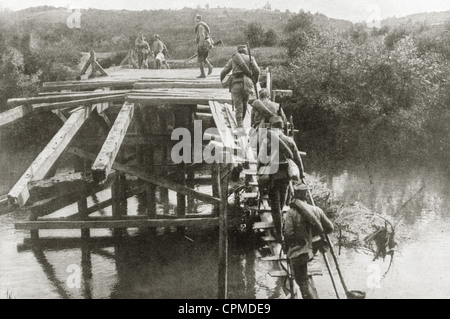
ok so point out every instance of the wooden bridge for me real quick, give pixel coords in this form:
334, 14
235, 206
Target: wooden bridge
117, 130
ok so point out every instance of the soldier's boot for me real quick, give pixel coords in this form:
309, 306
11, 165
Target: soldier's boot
202, 71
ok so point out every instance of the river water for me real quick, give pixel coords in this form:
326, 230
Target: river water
170, 265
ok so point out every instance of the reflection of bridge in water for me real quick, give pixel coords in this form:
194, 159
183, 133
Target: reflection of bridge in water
117, 130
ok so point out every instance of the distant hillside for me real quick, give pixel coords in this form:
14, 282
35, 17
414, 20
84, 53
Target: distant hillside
432, 19
116, 30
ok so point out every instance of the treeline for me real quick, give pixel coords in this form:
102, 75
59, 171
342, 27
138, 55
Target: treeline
38, 45
369, 94
358, 92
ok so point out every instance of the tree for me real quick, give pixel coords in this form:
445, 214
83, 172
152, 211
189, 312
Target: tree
358, 33
394, 36
270, 38
256, 34
267, 6
300, 32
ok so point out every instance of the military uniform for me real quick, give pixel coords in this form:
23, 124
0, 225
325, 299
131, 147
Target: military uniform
241, 86
142, 49
257, 117
274, 170
203, 45
303, 222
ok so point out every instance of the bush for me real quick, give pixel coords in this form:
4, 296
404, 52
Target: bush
300, 33
255, 33
364, 101
270, 38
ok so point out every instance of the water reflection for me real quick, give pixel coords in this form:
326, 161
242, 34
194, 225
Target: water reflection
167, 265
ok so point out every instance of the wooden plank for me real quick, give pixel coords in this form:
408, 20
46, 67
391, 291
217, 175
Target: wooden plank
14, 114
172, 85
61, 97
107, 155
58, 184
224, 132
128, 140
262, 225
277, 95
125, 223
173, 100
203, 109
19, 194
124, 84
283, 273
159, 181
269, 81
83, 102
223, 237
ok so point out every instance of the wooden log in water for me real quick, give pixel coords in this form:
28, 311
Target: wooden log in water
223, 233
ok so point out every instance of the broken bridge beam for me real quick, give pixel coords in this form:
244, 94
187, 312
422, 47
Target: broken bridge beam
39, 168
111, 146
21, 111
151, 178
58, 184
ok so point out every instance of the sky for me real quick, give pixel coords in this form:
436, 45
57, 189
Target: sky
353, 10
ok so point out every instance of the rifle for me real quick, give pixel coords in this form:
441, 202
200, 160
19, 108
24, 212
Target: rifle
251, 67
218, 42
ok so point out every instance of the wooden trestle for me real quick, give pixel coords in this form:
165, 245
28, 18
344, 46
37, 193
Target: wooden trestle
117, 129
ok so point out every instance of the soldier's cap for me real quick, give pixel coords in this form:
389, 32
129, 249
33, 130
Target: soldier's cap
300, 186
275, 119
263, 93
198, 16
241, 48
156, 36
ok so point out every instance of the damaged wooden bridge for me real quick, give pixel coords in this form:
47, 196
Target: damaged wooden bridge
116, 134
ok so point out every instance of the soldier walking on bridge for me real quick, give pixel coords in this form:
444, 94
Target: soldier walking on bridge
204, 44
245, 72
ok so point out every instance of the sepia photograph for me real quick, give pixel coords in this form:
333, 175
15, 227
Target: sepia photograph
195, 150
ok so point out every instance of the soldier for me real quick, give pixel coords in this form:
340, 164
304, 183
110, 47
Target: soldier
273, 168
304, 226
271, 109
143, 49
204, 44
160, 52
244, 74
